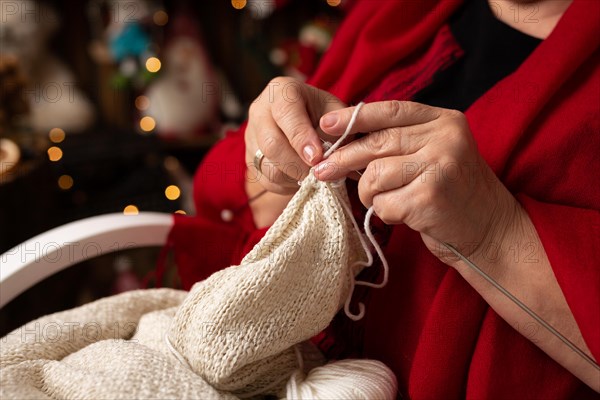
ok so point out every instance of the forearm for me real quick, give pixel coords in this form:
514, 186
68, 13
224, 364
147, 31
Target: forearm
516, 259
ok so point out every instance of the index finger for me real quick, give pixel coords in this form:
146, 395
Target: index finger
378, 116
292, 118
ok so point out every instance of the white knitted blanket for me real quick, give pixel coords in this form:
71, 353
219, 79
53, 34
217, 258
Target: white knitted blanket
235, 334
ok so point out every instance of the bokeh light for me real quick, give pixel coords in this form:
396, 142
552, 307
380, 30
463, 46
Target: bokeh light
147, 124
153, 64
160, 18
55, 153
334, 3
131, 210
56, 135
171, 164
142, 103
65, 182
238, 4
172, 192
180, 212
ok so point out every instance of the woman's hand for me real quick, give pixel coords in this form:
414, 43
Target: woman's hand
283, 124
422, 168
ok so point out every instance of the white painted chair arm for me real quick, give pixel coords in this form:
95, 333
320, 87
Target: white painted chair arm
28, 263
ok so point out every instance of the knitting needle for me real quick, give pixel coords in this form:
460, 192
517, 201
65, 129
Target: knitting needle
523, 307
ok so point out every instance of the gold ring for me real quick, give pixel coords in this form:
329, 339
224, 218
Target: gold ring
258, 159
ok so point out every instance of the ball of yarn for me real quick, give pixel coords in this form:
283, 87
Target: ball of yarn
345, 379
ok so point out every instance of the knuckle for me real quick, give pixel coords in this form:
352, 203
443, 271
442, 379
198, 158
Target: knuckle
271, 147
328, 98
369, 178
429, 198
375, 175
388, 220
382, 210
377, 142
341, 159
455, 114
366, 197
286, 90
279, 80
296, 135
458, 118
281, 110
396, 136
395, 109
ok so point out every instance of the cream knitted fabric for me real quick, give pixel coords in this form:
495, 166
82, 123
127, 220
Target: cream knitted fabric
91, 352
286, 290
234, 333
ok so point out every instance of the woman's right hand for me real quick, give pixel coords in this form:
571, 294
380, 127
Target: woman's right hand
281, 124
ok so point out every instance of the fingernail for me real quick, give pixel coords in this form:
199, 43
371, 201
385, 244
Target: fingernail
329, 120
319, 168
309, 153
323, 170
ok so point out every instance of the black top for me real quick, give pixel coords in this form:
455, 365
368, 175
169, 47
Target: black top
493, 50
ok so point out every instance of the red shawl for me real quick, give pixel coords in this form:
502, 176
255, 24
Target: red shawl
538, 129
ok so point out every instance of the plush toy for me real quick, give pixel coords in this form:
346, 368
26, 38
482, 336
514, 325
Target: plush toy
123, 36
184, 100
51, 93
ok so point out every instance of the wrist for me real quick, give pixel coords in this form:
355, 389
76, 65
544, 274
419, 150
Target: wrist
494, 217
505, 231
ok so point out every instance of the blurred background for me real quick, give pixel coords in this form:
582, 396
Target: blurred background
109, 106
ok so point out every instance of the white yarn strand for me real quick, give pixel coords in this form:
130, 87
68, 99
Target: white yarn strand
338, 143
368, 232
384, 263
175, 353
368, 263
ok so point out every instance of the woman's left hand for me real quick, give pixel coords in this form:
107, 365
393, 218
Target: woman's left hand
423, 169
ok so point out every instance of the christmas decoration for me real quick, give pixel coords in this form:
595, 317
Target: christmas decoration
125, 34
51, 91
184, 100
